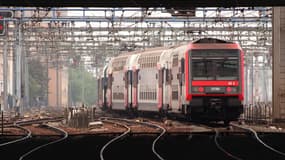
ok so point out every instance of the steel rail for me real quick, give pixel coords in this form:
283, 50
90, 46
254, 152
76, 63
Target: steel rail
222, 149
258, 139
156, 140
114, 139
50, 143
150, 125
29, 135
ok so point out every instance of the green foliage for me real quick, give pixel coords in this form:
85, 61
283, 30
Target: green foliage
82, 86
37, 80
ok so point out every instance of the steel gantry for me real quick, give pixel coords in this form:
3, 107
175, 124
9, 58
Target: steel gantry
56, 35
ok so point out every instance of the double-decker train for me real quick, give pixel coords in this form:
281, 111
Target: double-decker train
202, 80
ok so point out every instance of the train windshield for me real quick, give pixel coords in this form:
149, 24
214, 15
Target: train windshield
214, 64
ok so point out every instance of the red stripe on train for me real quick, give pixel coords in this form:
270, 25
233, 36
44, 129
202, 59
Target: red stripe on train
215, 83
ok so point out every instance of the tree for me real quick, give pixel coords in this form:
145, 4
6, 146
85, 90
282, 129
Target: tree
82, 86
38, 79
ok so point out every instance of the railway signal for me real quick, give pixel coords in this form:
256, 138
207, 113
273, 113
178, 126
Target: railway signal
3, 15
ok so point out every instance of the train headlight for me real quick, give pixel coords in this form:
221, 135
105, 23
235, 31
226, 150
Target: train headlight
229, 89
198, 89
232, 89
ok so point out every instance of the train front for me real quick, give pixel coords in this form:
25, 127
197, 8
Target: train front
214, 80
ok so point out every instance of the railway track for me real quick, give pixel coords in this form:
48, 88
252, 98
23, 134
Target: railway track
258, 139
33, 121
221, 148
126, 124
28, 135
128, 130
64, 133
253, 132
28, 132
216, 130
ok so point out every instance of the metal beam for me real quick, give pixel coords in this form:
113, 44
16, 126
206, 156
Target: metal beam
140, 3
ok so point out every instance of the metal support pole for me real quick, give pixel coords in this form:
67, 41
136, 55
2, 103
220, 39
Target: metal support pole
18, 65
252, 80
246, 79
83, 89
5, 70
2, 126
69, 88
27, 90
47, 83
2, 120
57, 80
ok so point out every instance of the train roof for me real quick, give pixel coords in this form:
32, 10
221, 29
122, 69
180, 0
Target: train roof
143, 51
211, 40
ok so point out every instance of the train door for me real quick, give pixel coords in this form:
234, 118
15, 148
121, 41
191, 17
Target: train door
175, 76
100, 92
135, 89
167, 89
160, 88
181, 91
109, 91
128, 89
104, 85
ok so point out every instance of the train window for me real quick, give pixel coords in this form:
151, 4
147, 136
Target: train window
214, 64
175, 95
167, 78
175, 61
160, 78
141, 96
182, 65
227, 69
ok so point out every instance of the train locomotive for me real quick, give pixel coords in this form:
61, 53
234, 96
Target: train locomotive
202, 80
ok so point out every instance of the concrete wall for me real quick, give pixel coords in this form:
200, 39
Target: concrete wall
62, 87
9, 74
279, 64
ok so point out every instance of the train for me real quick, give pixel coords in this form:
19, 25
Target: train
202, 80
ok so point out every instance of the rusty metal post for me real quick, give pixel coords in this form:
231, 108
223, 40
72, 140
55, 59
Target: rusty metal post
251, 112
2, 126
2, 121
247, 112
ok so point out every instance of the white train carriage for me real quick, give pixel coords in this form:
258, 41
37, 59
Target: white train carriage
102, 88
117, 71
144, 81
178, 79
149, 93
173, 86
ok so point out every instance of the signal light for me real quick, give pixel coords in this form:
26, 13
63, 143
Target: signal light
4, 14
2, 24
